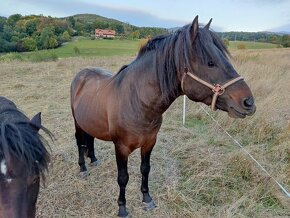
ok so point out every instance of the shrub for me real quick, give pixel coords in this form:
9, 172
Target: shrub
226, 42
11, 56
43, 56
241, 46
76, 50
143, 42
29, 44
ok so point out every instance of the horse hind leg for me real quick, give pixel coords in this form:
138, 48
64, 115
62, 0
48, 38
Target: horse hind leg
90, 148
82, 149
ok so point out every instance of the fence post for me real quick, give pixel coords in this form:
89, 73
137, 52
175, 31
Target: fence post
184, 105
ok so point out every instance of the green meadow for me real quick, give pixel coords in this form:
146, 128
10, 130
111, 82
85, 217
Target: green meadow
100, 47
84, 47
251, 45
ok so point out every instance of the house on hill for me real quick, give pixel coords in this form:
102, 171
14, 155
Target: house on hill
100, 33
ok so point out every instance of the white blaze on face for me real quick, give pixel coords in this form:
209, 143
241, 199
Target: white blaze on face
3, 167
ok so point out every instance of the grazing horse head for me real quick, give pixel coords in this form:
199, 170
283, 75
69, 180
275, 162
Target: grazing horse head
207, 65
23, 159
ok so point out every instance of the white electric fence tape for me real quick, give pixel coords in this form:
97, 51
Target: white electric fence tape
240, 145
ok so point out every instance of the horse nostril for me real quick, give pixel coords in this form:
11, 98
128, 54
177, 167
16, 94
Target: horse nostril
249, 102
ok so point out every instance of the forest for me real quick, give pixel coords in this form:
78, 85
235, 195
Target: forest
37, 32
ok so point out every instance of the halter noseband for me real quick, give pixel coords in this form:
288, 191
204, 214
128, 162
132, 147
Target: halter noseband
217, 89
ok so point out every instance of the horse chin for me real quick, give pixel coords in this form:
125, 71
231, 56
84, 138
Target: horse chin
234, 113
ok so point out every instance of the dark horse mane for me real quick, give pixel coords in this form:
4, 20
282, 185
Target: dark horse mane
177, 48
19, 138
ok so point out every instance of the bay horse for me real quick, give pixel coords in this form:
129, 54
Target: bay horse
127, 107
23, 159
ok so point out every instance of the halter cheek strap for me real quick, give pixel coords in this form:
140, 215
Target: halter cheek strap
217, 89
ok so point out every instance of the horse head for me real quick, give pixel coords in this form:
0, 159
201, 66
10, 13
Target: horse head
23, 158
209, 77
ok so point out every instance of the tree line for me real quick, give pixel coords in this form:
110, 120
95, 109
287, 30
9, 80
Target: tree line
279, 39
36, 32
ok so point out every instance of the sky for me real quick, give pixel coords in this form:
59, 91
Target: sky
228, 15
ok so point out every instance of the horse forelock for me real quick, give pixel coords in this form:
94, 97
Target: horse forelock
20, 140
209, 47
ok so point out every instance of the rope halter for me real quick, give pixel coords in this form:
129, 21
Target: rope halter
217, 89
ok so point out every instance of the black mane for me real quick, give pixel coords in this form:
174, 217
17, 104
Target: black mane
175, 51
18, 138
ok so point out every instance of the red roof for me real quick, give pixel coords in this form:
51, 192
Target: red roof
105, 32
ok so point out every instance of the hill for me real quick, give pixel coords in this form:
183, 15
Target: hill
36, 32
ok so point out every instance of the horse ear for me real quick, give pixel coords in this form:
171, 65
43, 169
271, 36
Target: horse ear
194, 28
207, 26
36, 121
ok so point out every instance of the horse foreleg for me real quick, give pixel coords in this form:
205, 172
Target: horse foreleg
145, 169
123, 177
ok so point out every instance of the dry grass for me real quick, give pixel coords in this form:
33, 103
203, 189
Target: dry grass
196, 171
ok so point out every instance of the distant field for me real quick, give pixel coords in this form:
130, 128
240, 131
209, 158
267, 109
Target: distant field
79, 48
104, 48
100, 47
251, 45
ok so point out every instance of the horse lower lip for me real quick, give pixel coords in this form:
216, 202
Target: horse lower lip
238, 113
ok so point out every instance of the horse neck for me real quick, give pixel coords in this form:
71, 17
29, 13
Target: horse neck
148, 87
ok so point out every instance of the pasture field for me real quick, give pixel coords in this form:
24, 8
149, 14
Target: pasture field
84, 47
100, 47
251, 45
196, 170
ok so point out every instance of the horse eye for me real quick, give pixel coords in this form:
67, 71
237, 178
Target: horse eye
210, 64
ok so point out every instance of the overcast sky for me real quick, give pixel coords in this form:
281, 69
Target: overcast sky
228, 15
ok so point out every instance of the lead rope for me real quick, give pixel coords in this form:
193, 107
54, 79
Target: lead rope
243, 148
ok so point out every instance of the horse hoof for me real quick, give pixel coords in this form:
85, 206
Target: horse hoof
84, 174
123, 212
95, 163
149, 206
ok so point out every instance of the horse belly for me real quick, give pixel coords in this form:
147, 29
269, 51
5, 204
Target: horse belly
89, 110
95, 124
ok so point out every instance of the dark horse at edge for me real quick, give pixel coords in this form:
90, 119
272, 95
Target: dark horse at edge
127, 107
23, 159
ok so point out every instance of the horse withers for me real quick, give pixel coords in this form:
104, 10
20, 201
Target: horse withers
127, 107
23, 159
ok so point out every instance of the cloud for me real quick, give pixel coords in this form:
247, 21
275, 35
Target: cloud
285, 29
62, 8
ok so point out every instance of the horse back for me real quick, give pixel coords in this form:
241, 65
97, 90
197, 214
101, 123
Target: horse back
88, 74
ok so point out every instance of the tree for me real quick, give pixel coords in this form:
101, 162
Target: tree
135, 34
29, 44
47, 38
31, 26
59, 26
12, 20
52, 42
7, 32
100, 24
119, 28
2, 23
6, 46
65, 37
71, 22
